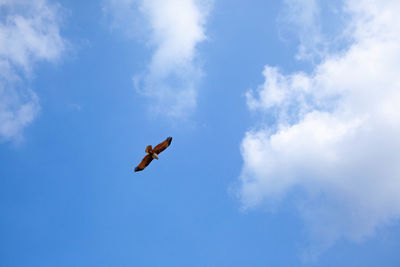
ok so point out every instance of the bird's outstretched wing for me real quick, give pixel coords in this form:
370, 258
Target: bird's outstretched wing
145, 162
162, 146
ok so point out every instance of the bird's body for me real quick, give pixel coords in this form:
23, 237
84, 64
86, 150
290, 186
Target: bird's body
152, 153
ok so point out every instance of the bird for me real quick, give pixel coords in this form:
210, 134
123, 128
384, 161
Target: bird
152, 153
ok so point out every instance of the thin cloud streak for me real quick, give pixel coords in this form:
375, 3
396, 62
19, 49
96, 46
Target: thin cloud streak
29, 33
173, 29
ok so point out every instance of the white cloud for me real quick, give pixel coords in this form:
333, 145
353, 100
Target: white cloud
173, 28
335, 140
301, 16
302, 20
29, 32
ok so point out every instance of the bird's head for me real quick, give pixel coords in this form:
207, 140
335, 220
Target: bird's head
154, 155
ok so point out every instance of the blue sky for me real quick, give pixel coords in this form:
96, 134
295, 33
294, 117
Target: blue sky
284, 117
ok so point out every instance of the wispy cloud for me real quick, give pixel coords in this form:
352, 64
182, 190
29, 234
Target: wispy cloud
173, 29
29, 32
335, 137
302, 21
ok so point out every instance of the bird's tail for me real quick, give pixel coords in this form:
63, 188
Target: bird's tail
149, 149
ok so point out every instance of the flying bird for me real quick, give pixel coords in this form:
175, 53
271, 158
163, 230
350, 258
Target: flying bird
152, 153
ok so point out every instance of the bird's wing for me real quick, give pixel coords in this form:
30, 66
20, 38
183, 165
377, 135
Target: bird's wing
145, 162
162, 146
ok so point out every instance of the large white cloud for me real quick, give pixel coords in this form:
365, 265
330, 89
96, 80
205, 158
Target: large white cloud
173, 28
29, 32
335, 141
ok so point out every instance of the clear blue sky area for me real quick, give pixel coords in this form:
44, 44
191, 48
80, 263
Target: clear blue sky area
68, 193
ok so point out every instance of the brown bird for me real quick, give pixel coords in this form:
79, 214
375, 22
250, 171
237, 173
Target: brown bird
152, 153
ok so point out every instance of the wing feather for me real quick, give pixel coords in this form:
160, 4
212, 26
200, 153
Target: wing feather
145, 162
162, 146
